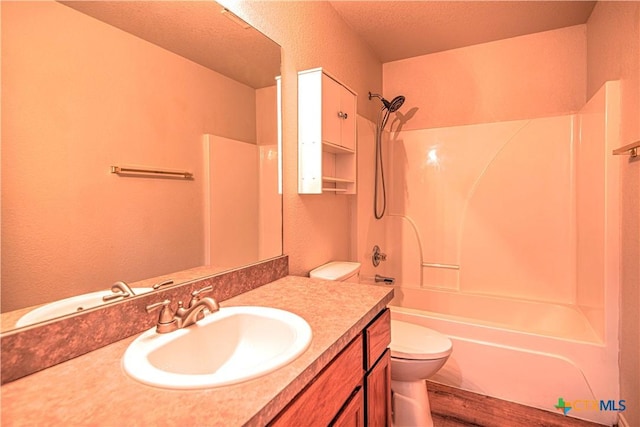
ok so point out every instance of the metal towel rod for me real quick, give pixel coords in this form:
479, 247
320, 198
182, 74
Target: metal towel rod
147, 171
632, 149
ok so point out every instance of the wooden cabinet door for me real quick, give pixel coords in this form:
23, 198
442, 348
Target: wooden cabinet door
352, 415
319, 403
378, 384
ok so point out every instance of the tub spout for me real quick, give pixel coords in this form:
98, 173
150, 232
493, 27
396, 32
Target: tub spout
385, 280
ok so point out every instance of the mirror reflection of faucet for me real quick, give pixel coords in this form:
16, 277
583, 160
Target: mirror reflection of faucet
120, 290
162, 284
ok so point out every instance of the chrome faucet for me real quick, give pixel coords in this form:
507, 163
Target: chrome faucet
120, 290
384, 279
169, 321
195, 312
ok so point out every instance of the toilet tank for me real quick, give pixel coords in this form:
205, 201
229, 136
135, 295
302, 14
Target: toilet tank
337, 270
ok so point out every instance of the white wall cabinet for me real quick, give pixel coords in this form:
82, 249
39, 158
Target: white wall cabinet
326, 134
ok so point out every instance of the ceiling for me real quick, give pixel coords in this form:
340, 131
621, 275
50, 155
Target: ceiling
397, 30
394, 30
197, 30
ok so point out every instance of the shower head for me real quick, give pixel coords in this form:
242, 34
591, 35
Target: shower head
396, 103
392, 106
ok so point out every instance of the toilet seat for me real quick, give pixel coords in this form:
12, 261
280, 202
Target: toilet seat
415, 342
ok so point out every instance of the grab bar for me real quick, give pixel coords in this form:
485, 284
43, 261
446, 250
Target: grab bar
437, 265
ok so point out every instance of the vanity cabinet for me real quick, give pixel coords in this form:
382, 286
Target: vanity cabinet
377, 364
352, 415
329, 392
326, 134
354, 389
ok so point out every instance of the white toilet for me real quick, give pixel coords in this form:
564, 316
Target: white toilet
340, 271
416, 354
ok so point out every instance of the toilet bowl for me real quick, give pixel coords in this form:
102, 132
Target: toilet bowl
416, 354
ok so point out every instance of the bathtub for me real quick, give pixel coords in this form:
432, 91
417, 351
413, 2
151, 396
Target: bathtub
543, 318
521, 351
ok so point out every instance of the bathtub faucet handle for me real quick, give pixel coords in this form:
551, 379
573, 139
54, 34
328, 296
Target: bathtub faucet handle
377, 256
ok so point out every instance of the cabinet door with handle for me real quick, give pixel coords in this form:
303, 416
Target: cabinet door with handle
348, 126
332, 114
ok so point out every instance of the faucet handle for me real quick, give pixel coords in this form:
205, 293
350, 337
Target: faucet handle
195, 295
162, 284
166, 315
202, 291
377, 256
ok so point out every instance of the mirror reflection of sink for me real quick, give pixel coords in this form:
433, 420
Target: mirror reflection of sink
229, 346
69, 306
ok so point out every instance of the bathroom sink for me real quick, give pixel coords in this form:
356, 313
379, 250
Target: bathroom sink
70, 305
229, 346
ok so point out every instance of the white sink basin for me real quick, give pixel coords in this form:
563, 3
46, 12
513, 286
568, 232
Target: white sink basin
69, 306
229, 346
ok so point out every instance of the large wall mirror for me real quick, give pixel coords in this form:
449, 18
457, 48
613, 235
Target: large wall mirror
171, 87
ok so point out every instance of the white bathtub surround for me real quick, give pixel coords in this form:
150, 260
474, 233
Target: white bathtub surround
505, 237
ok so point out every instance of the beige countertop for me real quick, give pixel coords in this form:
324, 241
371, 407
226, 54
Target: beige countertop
94, 389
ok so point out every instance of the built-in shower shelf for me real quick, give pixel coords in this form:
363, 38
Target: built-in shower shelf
333, 189
336, 149
335, 179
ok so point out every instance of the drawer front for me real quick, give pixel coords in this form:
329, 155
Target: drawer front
378, 338
319, 403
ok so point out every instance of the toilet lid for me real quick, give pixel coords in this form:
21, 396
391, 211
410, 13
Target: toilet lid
410, 341
336, 270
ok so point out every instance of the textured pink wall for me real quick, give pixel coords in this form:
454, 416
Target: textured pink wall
523, 77
368, 230
317, 229
69, 81
613, 35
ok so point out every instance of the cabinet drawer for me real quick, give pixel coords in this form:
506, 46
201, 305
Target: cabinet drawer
377, 338
319, 403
